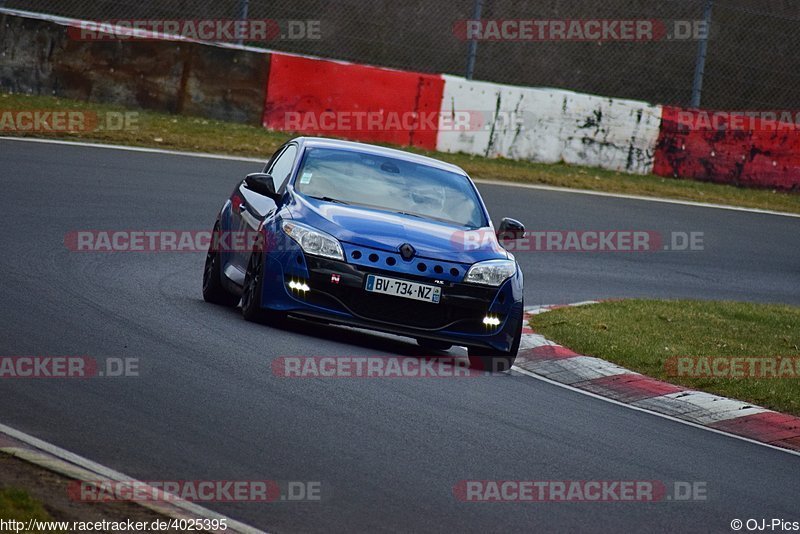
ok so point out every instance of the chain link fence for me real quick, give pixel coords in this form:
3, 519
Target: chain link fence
753, 48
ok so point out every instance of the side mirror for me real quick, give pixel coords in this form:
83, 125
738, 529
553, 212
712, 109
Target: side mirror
262, 184
510, 230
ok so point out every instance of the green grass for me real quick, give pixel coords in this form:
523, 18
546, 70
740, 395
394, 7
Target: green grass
204, 135
642, 335
17, 504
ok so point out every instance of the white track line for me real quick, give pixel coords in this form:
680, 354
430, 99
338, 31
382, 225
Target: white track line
637, 197
72, 459
486, 182
136, 149
535, 310
643, 410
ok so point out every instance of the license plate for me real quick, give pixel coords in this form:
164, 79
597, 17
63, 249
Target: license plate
403, 288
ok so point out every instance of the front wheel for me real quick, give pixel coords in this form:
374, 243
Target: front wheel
252, 291
213, 290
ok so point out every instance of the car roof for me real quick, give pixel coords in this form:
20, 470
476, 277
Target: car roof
324, 142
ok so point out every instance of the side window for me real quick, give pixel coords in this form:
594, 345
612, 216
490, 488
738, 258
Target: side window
283, 166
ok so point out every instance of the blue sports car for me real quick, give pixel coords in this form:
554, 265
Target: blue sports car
371, 237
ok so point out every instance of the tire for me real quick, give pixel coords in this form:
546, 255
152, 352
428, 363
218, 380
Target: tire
252, 291
496, 361
431, 344
213, 290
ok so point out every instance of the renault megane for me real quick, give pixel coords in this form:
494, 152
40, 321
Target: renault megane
372, 237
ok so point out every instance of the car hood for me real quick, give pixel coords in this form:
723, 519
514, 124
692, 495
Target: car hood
388, 231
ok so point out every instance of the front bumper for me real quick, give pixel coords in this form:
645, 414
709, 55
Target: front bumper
336, 294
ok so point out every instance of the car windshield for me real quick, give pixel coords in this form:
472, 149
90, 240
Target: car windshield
389, 184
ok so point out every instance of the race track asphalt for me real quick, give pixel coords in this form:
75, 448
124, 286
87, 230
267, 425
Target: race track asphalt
206, 405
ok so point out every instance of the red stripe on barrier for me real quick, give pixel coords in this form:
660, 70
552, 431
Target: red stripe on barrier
766, 426
762, 155
319, 97
547, 352
629, 387
791, 443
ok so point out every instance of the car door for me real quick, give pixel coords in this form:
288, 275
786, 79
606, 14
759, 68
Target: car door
253, 207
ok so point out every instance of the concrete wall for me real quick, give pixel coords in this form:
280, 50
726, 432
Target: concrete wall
713, 147
550, 125
178, 77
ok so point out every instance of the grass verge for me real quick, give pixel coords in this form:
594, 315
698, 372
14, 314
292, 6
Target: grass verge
179, 132
642, 335
17, 504
30, 492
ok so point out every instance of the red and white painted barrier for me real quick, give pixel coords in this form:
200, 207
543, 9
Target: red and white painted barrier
359, 102
740, 149
430, 111
452, 114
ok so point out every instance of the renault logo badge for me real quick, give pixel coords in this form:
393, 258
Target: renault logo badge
407, 251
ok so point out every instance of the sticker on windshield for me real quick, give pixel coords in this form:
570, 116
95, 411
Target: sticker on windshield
306, 178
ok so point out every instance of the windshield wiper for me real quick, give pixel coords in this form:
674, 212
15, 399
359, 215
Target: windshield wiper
429, 218
417, 215
331, 200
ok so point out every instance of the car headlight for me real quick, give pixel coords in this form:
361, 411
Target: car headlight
491, 272
313, 241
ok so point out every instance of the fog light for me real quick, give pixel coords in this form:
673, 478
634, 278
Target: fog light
491, 321
299, 286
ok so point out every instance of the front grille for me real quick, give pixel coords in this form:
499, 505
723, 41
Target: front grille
406, 311
375, 259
